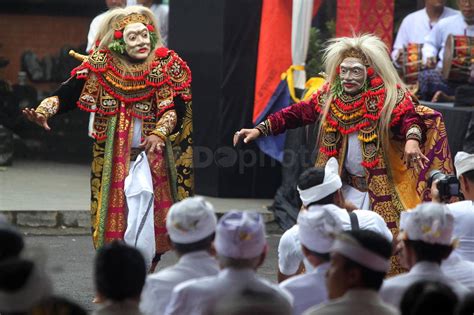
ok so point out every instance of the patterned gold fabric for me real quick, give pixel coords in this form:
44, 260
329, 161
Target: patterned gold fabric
118, 93
48, 107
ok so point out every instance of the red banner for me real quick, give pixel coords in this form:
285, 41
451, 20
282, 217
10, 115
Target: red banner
274, 49
365, 16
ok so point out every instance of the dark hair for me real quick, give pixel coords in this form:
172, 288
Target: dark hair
466, 306
429, 252
57, 306
312, 177
14, 273
377, 244
321, 256
428, 297
120, 271
204, 244
469, 175
11, 241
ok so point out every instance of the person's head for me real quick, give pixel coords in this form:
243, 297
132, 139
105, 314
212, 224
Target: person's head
464, 164
435, 3
357, 64
428, 297
146, 3
240, 240
130, 32
111, 4
252, 301
360, 259
22, 285
426, 234
119, 272
467, 10
191, 224
320, 186
57, 306
11, 241
317, 230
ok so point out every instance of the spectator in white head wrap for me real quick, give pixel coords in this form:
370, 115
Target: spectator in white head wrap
191, 226
426, 239
317, 231
321, 188
241, 248
359, 262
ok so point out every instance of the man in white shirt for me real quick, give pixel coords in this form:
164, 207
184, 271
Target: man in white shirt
317, 230
359, 262
322, 187
415, 26
460, 264
241, 248
95, 24
431, 81
191, 226
161, 12
463, 211
426, 240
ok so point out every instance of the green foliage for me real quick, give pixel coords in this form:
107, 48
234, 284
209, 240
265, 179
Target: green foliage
153, 40
117, 46
317, 38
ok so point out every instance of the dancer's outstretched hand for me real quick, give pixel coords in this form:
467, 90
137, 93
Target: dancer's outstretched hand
37, 118
413, 156
247, 135
152, 144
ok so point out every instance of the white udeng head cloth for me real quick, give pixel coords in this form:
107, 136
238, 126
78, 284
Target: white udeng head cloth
429, 222
463, 162
317, 229
349, 247
331, 183
191, 220
240, 235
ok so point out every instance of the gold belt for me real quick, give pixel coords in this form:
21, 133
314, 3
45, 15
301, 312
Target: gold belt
358, 182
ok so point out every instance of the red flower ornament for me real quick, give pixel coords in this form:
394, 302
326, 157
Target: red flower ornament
370, 71
118, 34
150, 27
377, 81
161, 52
338, 69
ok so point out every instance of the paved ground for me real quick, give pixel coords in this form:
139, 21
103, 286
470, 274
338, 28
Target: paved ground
69, 261
52, 186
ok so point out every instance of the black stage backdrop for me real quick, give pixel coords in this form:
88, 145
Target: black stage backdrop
219, 40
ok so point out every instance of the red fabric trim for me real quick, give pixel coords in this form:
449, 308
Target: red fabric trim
370, 164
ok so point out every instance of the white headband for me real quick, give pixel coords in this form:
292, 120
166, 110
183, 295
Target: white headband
350, 248
331, 183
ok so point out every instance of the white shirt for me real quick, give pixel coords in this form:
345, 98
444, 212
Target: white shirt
354, 302
290, 254
161, 12
414, 28
463, 213
436, 39
197, 297
159, 286
307, 290
93, 30
460, 270
393, 289
353, 166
